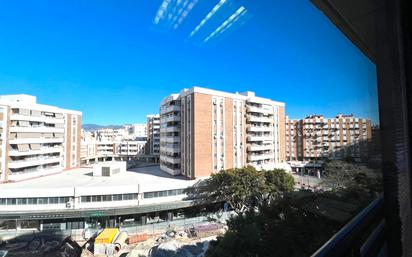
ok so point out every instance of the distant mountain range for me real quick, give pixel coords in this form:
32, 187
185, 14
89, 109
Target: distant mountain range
92, 127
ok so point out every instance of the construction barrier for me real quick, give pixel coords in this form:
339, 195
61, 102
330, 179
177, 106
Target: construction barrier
133, 239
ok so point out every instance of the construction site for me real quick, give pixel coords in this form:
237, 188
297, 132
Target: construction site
172, 241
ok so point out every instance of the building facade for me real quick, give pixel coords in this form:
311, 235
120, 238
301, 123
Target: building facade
138, 130
95, 151
318, 138
203, 131
153, 134
36, 139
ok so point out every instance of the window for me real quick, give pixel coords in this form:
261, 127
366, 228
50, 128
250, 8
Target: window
106, 198
117, 197
96, 198
129, 196
32, 201
64, 199
86, 199
11, 201
43, 200
53, 200
165, 193
21, 201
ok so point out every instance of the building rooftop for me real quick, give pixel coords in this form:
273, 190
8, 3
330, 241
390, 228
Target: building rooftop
150, 177
30, 102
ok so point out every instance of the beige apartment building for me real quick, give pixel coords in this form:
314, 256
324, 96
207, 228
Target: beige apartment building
203, 131
318, 138
36, 139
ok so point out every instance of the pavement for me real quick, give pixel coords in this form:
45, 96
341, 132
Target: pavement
306, 181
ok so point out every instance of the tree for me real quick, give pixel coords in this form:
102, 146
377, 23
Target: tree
277, 183
345, 175
282, 229
238, 187
244, 189
291, 223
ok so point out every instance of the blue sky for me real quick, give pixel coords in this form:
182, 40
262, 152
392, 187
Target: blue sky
114, 62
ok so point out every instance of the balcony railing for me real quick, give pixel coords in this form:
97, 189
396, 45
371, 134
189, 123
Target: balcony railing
259, 119
362, 236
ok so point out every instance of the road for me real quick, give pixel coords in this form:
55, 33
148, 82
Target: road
306, 181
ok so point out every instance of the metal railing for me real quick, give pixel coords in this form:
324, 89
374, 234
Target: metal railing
362, 236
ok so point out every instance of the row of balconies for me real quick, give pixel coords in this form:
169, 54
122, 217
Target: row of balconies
170, 129
251, 128
175, 139
170, 170
259, 147
260, 138
33, 162
260, 157
170, 108
261, 119
36, 140
259, 110
170, 159
42, 150
37, 129
42, 118
169, 118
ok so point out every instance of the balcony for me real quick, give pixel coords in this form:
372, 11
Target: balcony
170, 129
43, 150
37, 118
258, 110
259, 138
171, 149
37, 129
171, 108
260, 128
170, 170
170, 139
33, 162
170, 119
260, 157
259, 119
169, 159
36, 140
252, 148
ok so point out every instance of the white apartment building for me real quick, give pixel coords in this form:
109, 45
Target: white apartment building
153, 134
204, 131
170, 135
138, 130
93, 151
111, 134
36, 139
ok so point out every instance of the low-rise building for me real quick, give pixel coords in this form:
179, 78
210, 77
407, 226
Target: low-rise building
79, 198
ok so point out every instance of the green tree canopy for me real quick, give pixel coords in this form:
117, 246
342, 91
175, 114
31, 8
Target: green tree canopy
341, 175
245, 189
281, 229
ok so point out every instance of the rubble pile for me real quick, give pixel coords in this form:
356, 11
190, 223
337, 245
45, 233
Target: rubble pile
43, 247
